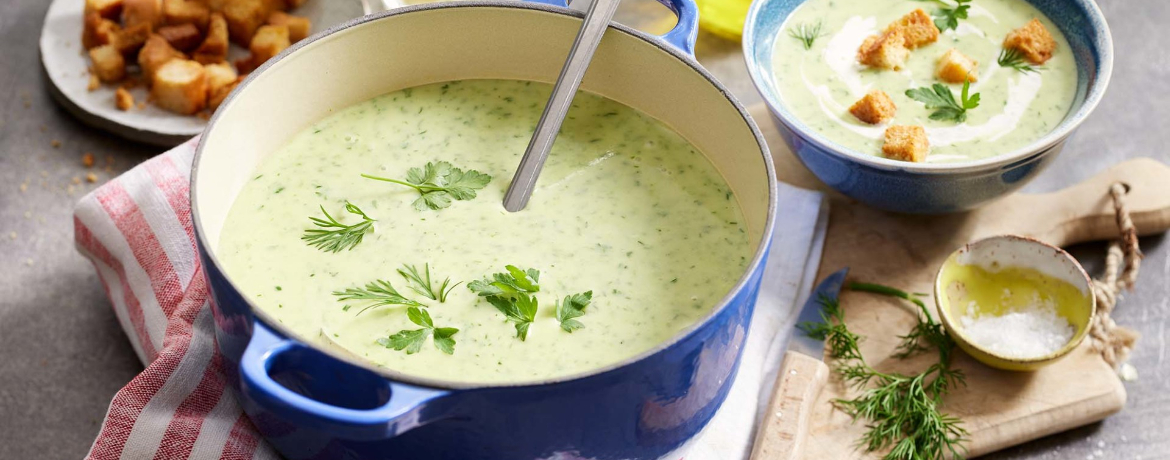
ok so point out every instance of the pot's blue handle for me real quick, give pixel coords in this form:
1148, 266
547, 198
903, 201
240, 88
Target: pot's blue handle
348, 401
682, 36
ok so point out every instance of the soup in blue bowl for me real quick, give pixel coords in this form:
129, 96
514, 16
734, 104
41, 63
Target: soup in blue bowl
927, 107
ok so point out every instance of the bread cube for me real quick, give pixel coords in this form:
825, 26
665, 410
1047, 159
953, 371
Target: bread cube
123, 100
108, 9
97, 30
108, 63
180, 86
289, 4
244, 17
906, 143
155, 53
298, 27
885, 51
176, 12
1033, 41
268, 42
217, 5
874, 108
219, 75
917, 27
129, 40
215, 46
183, 37
137, 12
216, 98
955, 67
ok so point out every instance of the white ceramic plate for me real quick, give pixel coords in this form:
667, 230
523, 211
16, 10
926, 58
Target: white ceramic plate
66, 66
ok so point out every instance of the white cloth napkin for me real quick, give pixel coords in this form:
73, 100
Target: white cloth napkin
801, 221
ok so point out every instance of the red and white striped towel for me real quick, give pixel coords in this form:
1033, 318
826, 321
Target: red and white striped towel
137, 231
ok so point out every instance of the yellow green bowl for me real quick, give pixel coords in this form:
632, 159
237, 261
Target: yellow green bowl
994, 254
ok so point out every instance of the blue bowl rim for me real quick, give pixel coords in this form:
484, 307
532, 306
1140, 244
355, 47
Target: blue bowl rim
1093, 97
756, 264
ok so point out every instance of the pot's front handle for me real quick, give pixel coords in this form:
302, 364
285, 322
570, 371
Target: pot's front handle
349, 401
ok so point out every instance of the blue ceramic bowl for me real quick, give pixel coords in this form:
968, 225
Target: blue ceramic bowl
924, 188
311, 401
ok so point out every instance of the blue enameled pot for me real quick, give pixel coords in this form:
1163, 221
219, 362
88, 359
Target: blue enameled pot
313, 402
927, 188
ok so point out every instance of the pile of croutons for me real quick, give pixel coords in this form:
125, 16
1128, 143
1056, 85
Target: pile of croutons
179, 48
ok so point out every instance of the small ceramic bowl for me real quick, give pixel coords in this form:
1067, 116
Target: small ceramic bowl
1002, 252
931, 188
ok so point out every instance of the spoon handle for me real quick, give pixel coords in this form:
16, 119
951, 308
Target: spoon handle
596, 21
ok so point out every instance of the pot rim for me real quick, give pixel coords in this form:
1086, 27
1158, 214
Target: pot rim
1077, 115
757, 262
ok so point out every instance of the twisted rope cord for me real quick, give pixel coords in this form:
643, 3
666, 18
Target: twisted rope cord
1122, 263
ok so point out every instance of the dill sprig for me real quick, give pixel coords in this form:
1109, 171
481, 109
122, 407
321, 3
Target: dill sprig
901, 411
378, 293
421, 283
1014, 59
333, 236
806, 33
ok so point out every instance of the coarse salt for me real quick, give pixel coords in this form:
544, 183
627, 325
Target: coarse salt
1030, 332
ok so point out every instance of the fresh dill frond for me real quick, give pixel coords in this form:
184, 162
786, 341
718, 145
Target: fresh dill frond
902, 412
1012, 58
807, 33
333, 236
421, 283
377, 293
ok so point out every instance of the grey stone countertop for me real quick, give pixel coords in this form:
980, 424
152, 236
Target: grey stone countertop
63, 356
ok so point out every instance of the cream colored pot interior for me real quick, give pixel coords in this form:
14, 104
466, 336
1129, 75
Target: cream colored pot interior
462, 43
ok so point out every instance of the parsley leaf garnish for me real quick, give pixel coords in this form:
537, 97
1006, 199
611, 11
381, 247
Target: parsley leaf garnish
940, 98
1013, 58
422, 283
333, 236
572, 307
806, 33
412, 340
511, 293
947, 17
507, 284
439, 183
378, 293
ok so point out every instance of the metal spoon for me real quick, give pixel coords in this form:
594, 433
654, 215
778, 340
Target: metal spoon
596, 21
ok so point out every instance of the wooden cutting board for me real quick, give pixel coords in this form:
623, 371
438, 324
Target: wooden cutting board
1000, 408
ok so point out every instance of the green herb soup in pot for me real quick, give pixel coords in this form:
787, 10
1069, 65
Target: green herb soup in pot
379, 230
973, 79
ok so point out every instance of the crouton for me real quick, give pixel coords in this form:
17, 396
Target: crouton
183, 37
1033, 41
108, 9
216, 5
298, 27
215, 46
954, 67
136, 12
155, 53
123, 100
97, 30
917, 27
94, 83
906, 143
268, 42
216, 98
180, 86
108, 63
874, 108
219, 75
243, 18
129, 40
176, 12
288, 4
885, 51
